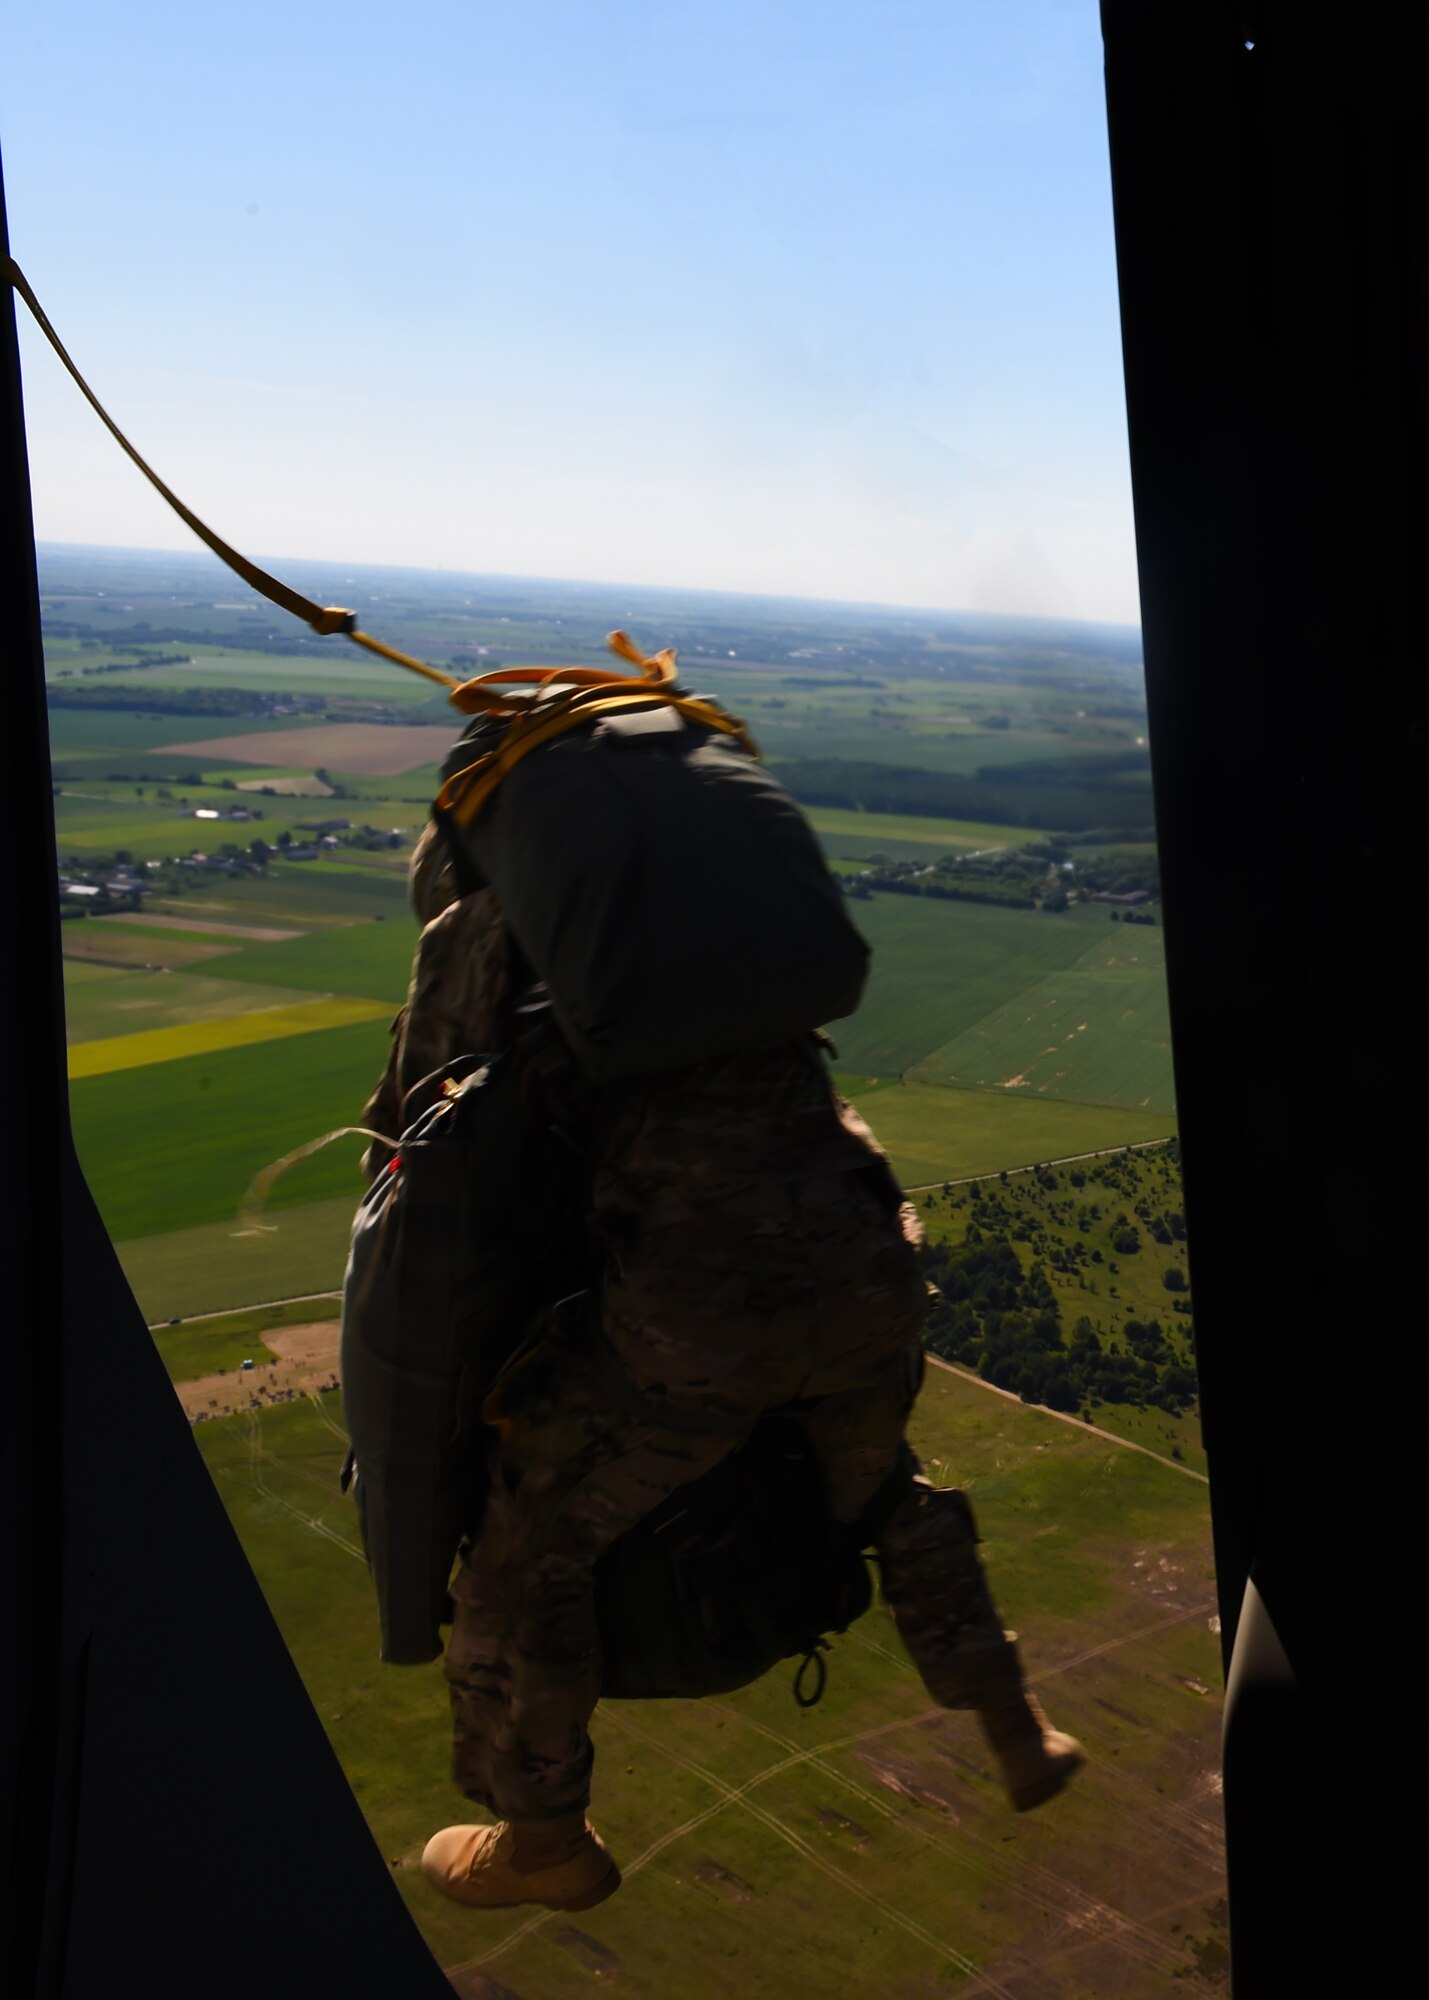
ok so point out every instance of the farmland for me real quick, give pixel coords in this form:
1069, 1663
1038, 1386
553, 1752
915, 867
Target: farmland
940, 970
860, 1844
246, 1009
236, 1008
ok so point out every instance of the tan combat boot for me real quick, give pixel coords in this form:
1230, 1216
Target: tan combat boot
935, 1584
562, 1863
1036, 1760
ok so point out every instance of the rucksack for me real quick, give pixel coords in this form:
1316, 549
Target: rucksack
656, 876
740, 1569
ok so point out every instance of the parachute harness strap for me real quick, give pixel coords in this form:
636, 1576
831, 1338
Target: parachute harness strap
584, 692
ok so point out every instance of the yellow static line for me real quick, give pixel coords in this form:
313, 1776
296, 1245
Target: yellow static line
202, 1038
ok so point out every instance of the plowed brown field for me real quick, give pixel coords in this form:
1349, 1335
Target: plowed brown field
361, 748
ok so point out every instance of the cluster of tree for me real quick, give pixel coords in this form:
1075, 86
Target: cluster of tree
181, 701
1006, 1323
1119, 874
139, 660
1021, 878
252, 635
1090, 767
1113, 836
1133, 917
947, 888
831, 681
1062, 799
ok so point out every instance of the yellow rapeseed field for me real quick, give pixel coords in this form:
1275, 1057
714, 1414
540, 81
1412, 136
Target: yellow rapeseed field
199, 1038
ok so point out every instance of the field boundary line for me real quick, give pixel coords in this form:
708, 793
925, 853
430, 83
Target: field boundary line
1062, 1417
230, 1312
1031, 1166
736, 1795
816, 1754
256, 1454
1016, 1875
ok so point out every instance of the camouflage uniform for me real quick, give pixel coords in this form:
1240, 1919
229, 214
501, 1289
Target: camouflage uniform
756, 1249
459, 996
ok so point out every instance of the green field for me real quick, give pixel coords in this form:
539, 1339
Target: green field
336, 669
82, 733
860, 1846
872, 832
942, 976
126, 947
104, 1002
1097, 1030
363, 958
936, 1134
173, 1145
94, 817
297, 895
214, 1265
979, 979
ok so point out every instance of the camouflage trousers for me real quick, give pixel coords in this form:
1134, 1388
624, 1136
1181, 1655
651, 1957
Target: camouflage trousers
824, 1301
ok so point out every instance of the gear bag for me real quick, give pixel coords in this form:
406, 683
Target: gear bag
440, 1284
731, 1572
735, 1572
662, 883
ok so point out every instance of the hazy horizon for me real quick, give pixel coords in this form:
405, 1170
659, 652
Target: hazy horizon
359, 571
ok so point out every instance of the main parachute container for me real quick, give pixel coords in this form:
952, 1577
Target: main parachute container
667, 889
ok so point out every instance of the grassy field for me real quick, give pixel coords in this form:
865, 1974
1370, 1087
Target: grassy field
104, 1001
933, 1133
87, 735
1097, 1029
336, 669
362, 958
1016, 1000
99, 818
941, 971
177, 1144
870, 833
126, 947
214, 1265
298, 895
858, 1846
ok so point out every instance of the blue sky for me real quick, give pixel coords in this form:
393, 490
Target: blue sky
808, 299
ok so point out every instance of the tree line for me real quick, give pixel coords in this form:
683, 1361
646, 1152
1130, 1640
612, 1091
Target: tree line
1006, 1324
1058, 802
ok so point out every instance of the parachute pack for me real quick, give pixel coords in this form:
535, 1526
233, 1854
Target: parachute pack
656, 875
